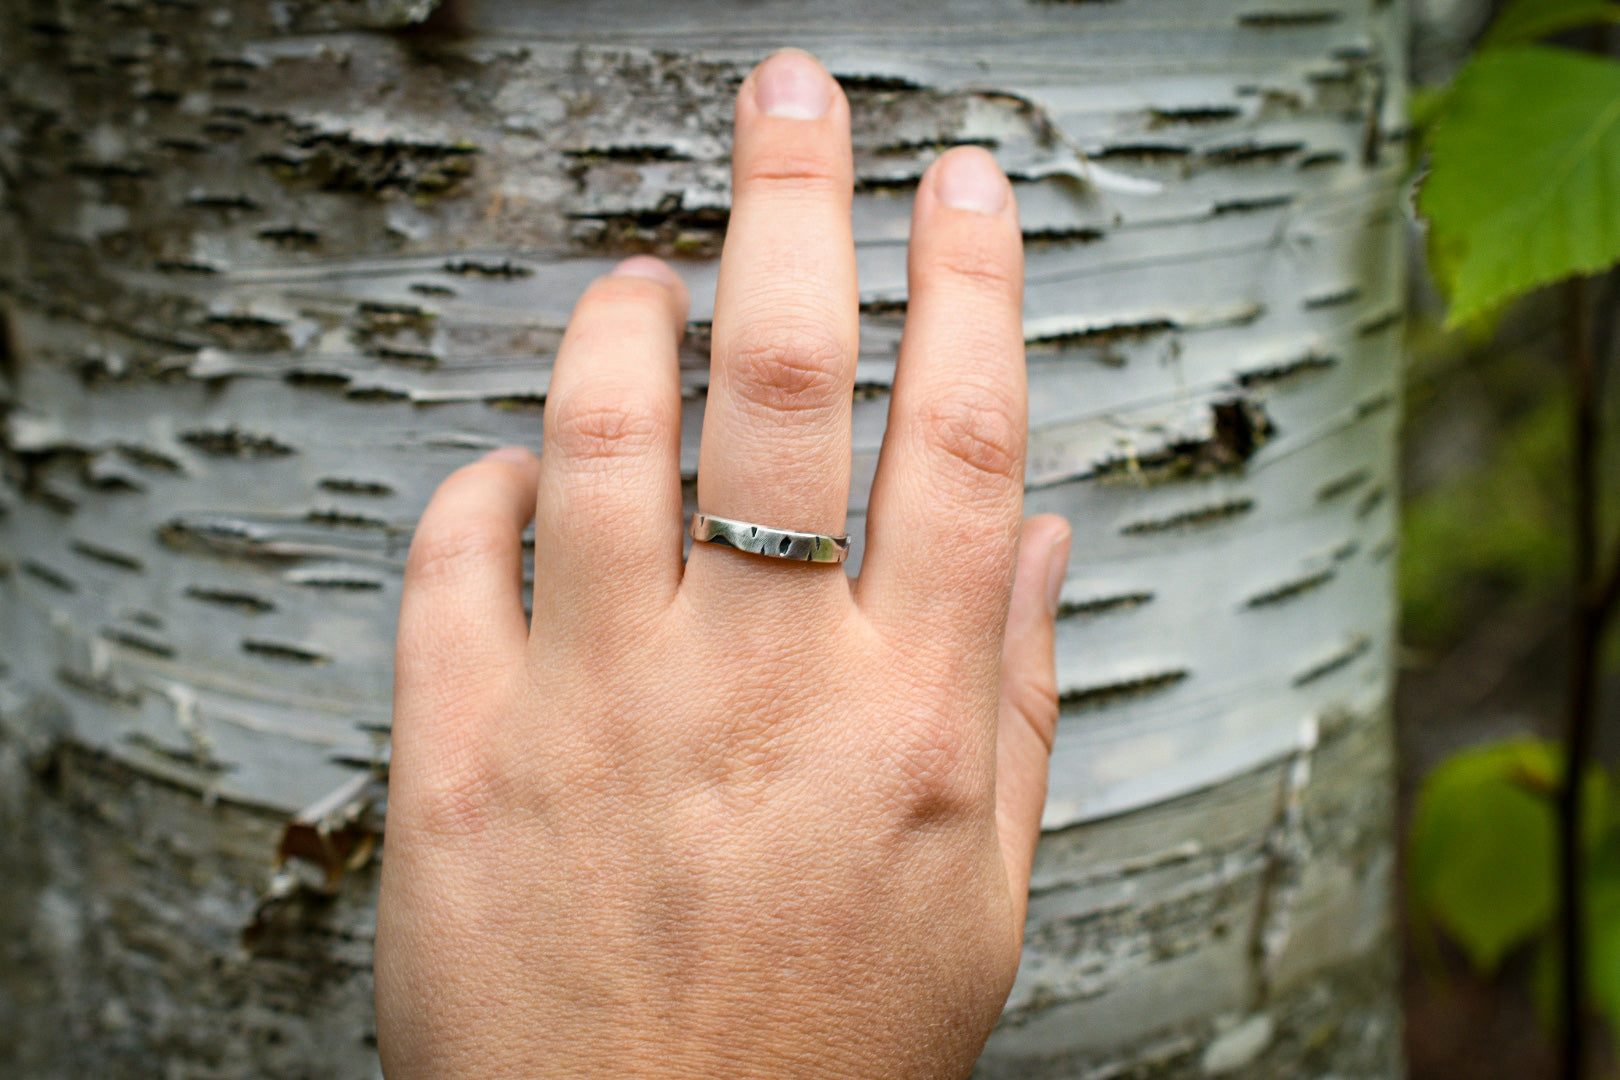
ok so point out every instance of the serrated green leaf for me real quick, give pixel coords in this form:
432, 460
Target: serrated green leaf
1524, 21
1523, 186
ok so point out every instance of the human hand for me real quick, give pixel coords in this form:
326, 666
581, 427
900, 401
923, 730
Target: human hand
749, 818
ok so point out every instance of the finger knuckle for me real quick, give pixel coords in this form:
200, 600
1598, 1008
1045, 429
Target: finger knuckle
592, 425
795, 169
443, 553
935, 772
980, 432
788, 365
982, 267
628, 294
458, 795
446, 543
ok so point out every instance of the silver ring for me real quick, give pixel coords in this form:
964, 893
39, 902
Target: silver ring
777, 543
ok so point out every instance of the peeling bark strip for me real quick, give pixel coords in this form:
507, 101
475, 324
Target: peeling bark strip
269, 272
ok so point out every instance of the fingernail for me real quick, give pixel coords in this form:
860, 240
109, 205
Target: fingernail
515, 454
1057, 569
791, 83
971, 180
645, 266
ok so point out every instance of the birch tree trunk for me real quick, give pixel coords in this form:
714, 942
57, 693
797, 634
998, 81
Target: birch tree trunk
270, 270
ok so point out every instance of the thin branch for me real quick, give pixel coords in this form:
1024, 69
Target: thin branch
1604, 337
1586, 627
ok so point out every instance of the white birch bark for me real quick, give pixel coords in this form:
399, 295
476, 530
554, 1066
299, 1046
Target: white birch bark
269, 271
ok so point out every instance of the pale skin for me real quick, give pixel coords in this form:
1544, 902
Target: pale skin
737, 816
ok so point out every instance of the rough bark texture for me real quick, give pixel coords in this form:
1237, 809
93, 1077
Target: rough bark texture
269, 271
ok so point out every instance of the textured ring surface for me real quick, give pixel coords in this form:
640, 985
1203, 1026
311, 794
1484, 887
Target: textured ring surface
777, 543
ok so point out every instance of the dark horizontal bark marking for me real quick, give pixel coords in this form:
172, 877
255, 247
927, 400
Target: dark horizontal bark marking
875, 83
1195, 114
1105, 335
1371, 501
1342, 485
147, 458
347, 519
879, 185
341, 162
246, 602
185, 266
1283, 20
936, 145
1103, 604
340, 582
234, 442
1380, 322
1248, 152
1090, 697
350, 486
1286, 370
1288, 590
1142, 152
1321, 158
222, 201
138, 642
1375, 404
107, 556
1333, 299
115, 170
517, 402
1055, 237
488, 268
316, 378
376, 393
393, 354
635, 153
54, 578
1185, 519
1250, 206
280, 650
1357, 647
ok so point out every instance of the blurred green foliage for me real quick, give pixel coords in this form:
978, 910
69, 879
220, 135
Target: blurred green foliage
1482, 855
1522, 189
1498, 527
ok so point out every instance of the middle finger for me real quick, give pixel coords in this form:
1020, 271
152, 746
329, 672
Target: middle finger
776, 428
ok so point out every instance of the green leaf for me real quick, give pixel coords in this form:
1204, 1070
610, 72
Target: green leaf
1524, 21
1425, 104
1483, 844
1524, 176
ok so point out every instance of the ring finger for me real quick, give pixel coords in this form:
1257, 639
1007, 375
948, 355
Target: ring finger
776, 427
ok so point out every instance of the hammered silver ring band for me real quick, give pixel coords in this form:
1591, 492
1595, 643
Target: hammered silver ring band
761, 540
